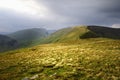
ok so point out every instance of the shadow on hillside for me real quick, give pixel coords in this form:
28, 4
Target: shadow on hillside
105, 32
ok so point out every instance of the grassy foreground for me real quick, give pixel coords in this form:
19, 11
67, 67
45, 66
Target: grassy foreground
91, 59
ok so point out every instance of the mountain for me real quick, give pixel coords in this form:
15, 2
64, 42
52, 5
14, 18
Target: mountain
35, 36
83, 32
7, 43
29, 36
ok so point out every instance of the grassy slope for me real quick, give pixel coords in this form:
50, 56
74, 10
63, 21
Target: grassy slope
71, 33
88, 59
72, 59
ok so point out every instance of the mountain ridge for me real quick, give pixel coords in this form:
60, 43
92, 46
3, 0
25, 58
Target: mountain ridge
83, 32
35, 36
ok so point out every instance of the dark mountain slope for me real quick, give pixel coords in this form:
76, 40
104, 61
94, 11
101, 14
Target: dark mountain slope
7, 43
105, 31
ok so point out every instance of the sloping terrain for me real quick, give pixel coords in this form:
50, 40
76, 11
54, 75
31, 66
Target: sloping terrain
75, 53
88, 59
29, 36
65, 34
7, 43
83, 32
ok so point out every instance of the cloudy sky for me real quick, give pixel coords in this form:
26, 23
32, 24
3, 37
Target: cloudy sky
56, 14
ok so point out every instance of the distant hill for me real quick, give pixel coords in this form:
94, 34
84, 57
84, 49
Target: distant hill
83, 32
4, 33
29, 36
7, 43
51, 31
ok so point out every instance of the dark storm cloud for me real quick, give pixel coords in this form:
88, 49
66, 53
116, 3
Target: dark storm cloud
101, 12
64, 13
111, 6
111, 9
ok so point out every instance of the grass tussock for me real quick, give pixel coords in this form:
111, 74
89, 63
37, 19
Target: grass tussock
92, 59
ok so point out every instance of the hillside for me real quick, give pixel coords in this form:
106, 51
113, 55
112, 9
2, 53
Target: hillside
81, 53
105, 32
29, 36
86, 59
83, 32
7, 43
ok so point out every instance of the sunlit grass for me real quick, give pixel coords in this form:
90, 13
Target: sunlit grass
92, 59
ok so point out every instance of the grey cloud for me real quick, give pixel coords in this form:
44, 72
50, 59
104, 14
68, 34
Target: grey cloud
65, 13
111, 10
12, 21
101, 12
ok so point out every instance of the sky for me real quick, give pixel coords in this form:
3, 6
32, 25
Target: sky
56, 14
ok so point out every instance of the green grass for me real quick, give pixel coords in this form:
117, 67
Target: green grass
88, 59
